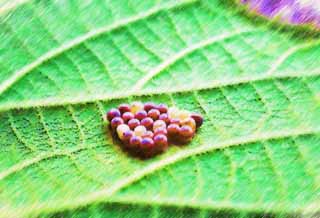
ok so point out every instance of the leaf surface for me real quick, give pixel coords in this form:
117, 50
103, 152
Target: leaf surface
64, 63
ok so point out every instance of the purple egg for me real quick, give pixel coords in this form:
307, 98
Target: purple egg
115, 122
112, 113
147, 122
133, 123
127, 116
141, 115
127, 134
161, 130
165, 118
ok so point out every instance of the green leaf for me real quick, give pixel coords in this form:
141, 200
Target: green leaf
64, 63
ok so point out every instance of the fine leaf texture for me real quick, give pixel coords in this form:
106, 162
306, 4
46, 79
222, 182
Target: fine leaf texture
63, 64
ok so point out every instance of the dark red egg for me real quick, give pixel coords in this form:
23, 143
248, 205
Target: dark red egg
161, 142
173, 129
135, 142
154, 114
186, 131
148, 106
162, 108
124, 108
147, 143
198, 118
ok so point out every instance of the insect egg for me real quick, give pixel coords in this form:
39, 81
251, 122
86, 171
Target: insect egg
154, 114
127, 136
136, 106
186, 131
133, 123
148, 134
147, 143
175, 121
173, 113
127, 116
124, 108
113, 113
189, 122
135, 141
162, 108
146, 129
173, 129
147, 122
183, 115
148, 106
141, 115
198, 119
140, 131
161, 142
115, 122
165, 118
159, 124
121, 129
161, 130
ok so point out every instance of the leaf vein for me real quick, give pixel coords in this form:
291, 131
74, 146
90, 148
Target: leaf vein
138, 175
77, 41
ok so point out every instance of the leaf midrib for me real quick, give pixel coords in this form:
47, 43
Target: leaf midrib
83, 99
136, 90
10, 5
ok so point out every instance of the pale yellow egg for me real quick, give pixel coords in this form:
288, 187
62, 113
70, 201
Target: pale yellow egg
189, 122
173, 113
122, 128
159, 124
183, 114
136, 106
140, 131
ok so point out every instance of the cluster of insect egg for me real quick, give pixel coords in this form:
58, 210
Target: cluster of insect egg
146, 129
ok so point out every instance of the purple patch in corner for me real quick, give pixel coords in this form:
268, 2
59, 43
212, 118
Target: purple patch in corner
304, 15
289, 11
271, 7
